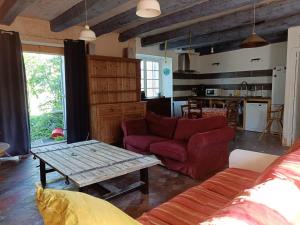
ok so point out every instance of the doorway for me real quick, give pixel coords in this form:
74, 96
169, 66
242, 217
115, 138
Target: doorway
46, 97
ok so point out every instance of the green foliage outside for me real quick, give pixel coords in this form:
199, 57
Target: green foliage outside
42, 125
44, 86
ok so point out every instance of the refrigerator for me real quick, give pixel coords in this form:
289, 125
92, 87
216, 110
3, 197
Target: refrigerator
278, 91
278, 85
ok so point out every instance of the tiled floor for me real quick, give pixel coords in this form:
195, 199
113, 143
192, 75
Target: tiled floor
17, 183
251, 141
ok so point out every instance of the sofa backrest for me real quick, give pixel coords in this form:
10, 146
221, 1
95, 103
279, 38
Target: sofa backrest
187, 127
273, 200
161, 126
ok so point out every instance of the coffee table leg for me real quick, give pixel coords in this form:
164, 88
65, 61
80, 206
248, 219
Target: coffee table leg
144, 178
43, 173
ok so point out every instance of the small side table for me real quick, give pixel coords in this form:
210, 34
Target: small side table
3, 148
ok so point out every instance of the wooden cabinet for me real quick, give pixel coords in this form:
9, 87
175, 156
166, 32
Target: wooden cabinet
114, 94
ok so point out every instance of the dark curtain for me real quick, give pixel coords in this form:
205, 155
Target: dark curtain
77, 106
14, 121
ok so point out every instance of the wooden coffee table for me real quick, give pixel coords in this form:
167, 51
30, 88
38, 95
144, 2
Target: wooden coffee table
90, 162
3, 148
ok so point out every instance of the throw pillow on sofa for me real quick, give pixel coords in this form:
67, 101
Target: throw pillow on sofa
188, 127
59, 207
160, 125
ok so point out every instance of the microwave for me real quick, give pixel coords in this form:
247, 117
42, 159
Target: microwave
213, 92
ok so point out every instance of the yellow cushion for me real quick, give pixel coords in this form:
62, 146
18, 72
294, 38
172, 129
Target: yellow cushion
59, 207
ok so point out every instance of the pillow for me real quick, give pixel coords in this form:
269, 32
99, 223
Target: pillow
135, 127
59, 207
160, 125
275, 202
188, 127
287, 166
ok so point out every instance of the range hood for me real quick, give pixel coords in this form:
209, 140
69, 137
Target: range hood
184, 63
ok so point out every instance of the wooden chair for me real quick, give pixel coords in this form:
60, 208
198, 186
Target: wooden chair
194, 108
218, 104
184, 110
232, 114
275, 114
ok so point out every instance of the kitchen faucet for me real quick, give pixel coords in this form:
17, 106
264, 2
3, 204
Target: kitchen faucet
244, 84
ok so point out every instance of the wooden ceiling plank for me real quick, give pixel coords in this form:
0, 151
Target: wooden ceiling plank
275, 26
267, 12
9, 10
76, 14
128, 17
234, 45
203, 9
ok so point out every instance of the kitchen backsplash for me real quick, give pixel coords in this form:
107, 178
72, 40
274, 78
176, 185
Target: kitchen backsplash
259, 83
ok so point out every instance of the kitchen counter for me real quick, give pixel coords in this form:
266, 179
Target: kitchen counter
231, 97
241, 101
248, 98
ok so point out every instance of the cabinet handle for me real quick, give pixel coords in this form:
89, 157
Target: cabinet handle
255, 59
215, 64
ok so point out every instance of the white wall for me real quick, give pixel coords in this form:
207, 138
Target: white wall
171, 63
291, 129
240, 60
154, 50
109, 45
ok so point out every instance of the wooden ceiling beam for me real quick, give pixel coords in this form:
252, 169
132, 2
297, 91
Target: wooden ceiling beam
200, 10
10, 9
128, 17
76, 14
234, 45
271, 11
239, 33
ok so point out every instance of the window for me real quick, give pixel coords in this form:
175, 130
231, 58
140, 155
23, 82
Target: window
45, 86
150, 77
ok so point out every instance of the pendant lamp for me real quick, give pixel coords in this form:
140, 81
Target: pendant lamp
148, 8
254, 40
87, 34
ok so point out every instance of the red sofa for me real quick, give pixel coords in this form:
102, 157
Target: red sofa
195, 147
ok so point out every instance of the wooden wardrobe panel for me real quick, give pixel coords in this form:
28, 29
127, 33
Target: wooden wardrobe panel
114, 93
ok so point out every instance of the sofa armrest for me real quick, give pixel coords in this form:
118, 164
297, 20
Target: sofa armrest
134, 127
250, 160
210, 138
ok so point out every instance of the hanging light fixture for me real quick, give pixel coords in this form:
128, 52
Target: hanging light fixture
254, 40
148, 8
87, 34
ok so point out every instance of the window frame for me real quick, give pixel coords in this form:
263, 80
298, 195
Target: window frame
144, 61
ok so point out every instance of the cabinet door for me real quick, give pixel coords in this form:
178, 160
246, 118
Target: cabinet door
108, 129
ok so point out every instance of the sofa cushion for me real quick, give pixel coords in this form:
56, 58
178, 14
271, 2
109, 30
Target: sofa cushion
287, 166
274, 202
197, 203
188, 127
135, 127
142, 142
161, 126
171, 149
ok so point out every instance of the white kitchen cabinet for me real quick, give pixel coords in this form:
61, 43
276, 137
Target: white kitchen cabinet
256, 116
262, 58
